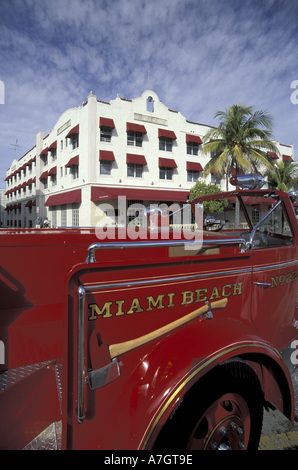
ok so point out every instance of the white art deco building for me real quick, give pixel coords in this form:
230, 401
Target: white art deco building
137, 150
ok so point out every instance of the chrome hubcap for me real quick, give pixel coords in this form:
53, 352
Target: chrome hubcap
224, 426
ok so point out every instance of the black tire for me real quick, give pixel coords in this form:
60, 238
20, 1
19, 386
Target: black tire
223, 411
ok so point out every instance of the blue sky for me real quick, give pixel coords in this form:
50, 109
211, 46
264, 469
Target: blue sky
203, 56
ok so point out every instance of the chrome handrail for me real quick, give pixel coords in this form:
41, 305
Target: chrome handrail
159, 243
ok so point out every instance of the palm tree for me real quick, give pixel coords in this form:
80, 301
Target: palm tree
283, 176
240, 141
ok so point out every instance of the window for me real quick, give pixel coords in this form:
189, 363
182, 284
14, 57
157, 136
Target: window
192, 148
53, 154
192, 175
75, 215
274, 230
105, 167
215, 179
63, 215
105, 134
134, 138
53, 180
166, 144
150, 104
53, 216
75, 141
165, 173
134, 170
75, 171
135, 212
255, 216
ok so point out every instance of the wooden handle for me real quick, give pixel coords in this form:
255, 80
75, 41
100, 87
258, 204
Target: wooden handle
126, 346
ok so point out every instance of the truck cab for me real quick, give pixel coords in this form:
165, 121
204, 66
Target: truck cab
171, 340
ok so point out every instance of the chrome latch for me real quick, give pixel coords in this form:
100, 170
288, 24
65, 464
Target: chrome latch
105, 375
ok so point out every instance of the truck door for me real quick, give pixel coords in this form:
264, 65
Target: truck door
274, 287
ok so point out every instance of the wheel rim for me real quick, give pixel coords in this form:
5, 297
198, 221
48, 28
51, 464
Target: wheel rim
225, 425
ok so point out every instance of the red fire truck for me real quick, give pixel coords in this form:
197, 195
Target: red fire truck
154, 343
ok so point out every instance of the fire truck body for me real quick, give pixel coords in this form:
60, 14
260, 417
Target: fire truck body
149, 344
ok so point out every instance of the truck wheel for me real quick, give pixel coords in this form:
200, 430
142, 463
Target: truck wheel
223, 411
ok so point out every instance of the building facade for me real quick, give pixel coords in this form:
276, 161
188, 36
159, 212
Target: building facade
103, 155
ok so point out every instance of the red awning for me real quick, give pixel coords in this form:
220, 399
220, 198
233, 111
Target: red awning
53, 145
139, 159
98, 193
74, 130
68, 197
132, 126
167, 162
44, 151
44, 175
53, 171
106, 122
166, 133
73, 161
194, 166
273, 155
106, 155
286, 158
193, 138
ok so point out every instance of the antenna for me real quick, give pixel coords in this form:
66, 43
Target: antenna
15, 147
148, 79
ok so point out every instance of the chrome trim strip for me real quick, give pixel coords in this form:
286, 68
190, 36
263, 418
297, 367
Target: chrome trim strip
274, 266
166, 279
80, 333
159, 243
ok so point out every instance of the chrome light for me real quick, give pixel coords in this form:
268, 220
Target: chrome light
251, 181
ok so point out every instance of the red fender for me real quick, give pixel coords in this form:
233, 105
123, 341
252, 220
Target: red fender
172, 366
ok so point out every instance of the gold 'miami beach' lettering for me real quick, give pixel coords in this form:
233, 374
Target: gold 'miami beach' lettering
122, 307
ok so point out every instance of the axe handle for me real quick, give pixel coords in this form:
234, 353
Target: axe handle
126, 346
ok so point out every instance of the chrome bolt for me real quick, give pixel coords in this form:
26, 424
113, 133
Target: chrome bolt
233, 426
241, 445
214, 445
240, 431
223, 430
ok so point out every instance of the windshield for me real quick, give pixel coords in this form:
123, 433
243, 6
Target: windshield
259, 218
